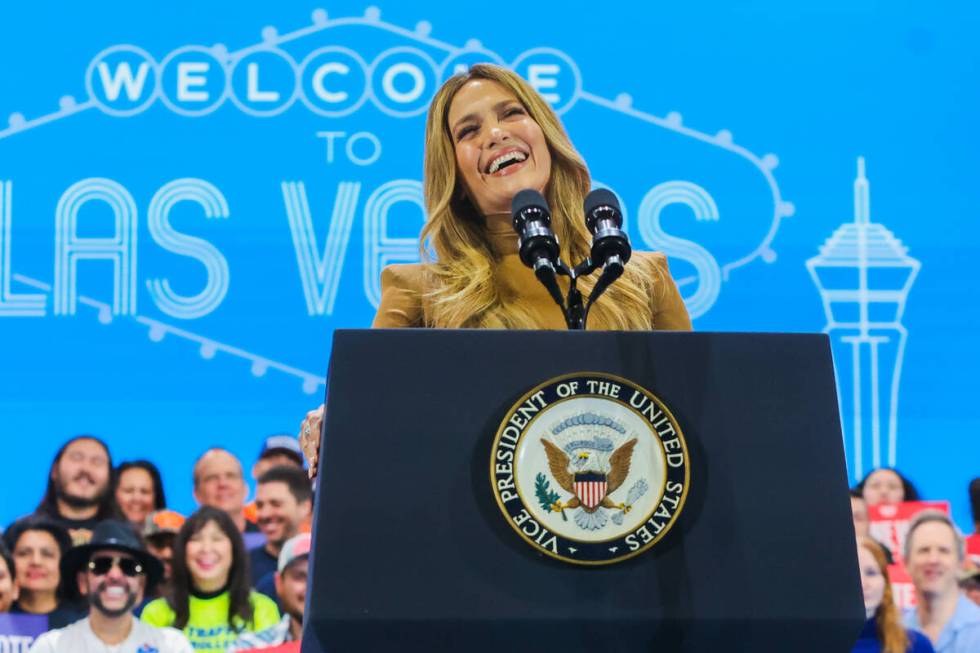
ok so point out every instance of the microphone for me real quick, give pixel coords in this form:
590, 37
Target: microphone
610, 245
603, 217
537, 244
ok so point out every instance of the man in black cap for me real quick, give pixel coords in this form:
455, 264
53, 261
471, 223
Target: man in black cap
112, 570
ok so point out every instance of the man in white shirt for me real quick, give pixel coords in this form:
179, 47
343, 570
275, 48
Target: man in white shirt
112, 572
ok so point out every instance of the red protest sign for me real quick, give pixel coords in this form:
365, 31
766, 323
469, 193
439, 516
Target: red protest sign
973, 548
889, 523
903, 590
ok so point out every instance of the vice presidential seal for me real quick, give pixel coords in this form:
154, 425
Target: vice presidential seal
590, 468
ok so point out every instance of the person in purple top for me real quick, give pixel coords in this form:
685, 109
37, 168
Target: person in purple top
37, 545
883, 631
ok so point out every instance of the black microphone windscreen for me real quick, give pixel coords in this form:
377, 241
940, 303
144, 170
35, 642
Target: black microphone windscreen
528, 198
601, 197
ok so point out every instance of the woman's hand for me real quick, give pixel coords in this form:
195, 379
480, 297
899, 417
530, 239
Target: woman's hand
309, 438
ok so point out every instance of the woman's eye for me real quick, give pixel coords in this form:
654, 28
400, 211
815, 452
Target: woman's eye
464, 132
514, 111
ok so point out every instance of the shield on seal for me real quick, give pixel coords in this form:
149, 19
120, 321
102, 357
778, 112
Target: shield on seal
590, 488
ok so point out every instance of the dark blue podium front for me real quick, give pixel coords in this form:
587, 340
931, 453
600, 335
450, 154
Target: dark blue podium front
413, 554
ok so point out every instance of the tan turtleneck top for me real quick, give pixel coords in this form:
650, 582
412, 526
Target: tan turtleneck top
402, 289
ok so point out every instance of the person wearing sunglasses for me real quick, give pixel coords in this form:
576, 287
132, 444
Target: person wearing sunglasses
112, 571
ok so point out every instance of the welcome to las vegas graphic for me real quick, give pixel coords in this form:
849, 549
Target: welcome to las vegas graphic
242, 200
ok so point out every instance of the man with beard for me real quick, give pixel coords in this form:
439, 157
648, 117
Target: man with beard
78, 494
291, 584
112, 570
283, 501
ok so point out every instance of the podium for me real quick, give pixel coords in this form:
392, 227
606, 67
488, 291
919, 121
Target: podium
412, 552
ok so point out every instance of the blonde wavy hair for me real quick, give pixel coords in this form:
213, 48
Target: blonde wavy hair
888, 624
462, 291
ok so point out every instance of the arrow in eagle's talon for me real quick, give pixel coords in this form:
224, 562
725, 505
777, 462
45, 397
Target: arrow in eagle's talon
558, 507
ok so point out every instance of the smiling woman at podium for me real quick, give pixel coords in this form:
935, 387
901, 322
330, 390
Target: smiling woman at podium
489, 135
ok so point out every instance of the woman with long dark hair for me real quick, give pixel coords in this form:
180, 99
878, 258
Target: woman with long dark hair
883, 631
888, 486
138, 491
211, 599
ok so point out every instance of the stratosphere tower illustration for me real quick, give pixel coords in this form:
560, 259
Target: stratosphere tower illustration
864, 275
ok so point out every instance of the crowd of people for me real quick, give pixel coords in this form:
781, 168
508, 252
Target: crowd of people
110, 567
946, 614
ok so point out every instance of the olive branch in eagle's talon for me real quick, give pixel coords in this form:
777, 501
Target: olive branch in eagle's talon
548, 498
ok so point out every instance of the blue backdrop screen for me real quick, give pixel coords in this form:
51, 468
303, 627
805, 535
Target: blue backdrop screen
193, 196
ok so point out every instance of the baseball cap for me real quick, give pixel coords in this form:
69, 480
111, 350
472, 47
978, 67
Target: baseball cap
294, 549
162, 521
281, 443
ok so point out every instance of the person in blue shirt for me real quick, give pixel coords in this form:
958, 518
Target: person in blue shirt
934, 550
883, 631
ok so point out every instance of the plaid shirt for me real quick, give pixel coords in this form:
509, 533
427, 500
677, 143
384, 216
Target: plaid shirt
272, 636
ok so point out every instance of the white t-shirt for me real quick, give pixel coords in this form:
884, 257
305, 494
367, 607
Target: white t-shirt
143, 638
